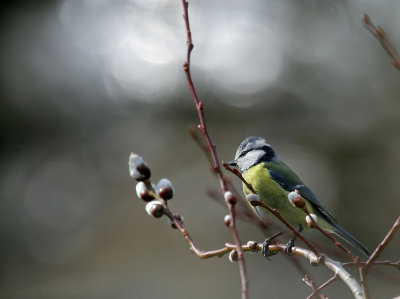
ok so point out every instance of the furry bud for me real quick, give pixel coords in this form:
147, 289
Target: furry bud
230, 198
165, 189
253, 199
233, 256
138, 169
143, 192
155, 208
253, 245
296, 200
311, 223
228, 220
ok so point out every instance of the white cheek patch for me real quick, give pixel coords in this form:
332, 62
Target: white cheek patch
250, 159
254, 155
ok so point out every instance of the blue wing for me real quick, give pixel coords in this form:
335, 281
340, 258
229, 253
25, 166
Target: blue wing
289, 181
292, 182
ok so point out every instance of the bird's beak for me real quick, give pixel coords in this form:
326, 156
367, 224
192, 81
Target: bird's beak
232, 163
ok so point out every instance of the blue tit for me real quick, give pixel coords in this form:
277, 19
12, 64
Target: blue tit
273, 180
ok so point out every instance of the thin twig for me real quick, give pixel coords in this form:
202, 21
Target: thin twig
315, 291
375, 255
203, 129
325, 284
192, 246
236, 172
380, 35
378, 263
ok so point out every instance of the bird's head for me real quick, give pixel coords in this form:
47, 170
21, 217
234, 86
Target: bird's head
252, 151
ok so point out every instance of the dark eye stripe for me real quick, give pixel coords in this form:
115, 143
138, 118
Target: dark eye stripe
269, 152
244, 153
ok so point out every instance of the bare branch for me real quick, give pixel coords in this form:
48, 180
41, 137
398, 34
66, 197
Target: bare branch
203, 129
380, 35
315, 291
236, 172
315, 260
325, 284
375, 255
346, 277
378, 263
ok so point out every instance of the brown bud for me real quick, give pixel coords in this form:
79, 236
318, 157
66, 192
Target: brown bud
143, 192
144, 170
253, 199
230, 198
296, 199
233, 256
253, 245
228, 220
146, 196
165, 189
311, 221
138, 168
155, 208
299, 202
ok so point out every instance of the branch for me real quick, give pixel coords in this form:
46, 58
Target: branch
203, 129
380, 35
253, 246
328, 282
315, 291
378, 263
375, 255
346, 277
315, 260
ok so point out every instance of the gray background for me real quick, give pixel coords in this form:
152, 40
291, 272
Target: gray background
84, 83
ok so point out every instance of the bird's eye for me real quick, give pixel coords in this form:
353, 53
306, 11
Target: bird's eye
243, 153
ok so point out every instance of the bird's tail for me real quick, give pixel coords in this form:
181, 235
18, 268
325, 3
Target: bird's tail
350, 239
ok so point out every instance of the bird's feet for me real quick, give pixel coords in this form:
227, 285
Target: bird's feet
289, 246
264, 250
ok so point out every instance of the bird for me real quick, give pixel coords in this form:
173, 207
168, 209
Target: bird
274, 182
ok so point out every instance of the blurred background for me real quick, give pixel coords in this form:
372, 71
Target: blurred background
85, 82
